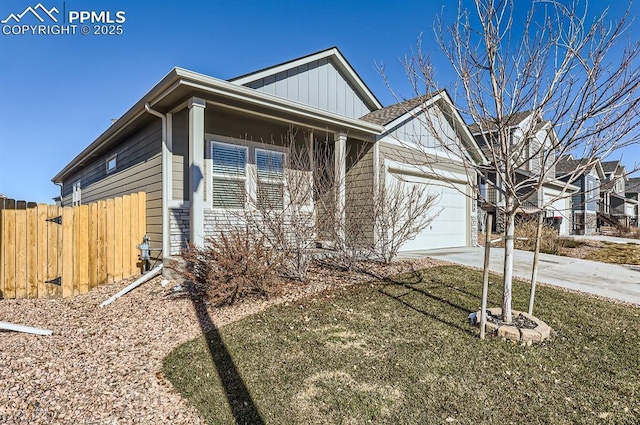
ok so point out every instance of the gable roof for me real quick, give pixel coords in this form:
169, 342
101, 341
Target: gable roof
512, 120
610, 166
566, 165
633, 185
391, 113
332, 53
408, 109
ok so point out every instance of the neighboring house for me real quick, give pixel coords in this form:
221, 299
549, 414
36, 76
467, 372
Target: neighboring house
586, 200
196, 145
555, 196
632, 193
614, 208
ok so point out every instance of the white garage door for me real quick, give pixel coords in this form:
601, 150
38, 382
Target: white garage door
449, 228
561, 208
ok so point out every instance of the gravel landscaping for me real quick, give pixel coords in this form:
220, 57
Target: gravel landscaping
104, 365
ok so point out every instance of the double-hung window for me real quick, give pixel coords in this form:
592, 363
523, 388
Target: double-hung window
229, 175
270, 178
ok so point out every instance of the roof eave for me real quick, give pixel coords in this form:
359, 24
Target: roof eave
179, 76
122, 122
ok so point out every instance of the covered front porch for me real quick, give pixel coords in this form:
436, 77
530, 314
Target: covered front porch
225, 160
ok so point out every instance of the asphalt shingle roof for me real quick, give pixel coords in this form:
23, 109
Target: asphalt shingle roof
610, 166
512, 120
390, 113
633, 185
564, 166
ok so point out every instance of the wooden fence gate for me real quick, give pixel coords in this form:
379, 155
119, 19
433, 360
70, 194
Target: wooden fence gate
47, 251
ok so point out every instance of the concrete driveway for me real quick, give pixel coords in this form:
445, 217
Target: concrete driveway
607, 280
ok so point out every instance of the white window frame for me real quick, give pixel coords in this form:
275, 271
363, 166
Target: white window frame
590, 194
76, 193
246, 177
251, 170
618, 188
280, 181
113, 158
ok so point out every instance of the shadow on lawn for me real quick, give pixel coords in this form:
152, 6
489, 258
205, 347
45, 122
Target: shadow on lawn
425, 312
242, 406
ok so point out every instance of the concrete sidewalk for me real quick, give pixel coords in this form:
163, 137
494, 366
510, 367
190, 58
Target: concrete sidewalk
607, 280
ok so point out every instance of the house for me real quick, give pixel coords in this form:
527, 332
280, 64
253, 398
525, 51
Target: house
615, 209
632, 193
533, 140
587, 176
197, 144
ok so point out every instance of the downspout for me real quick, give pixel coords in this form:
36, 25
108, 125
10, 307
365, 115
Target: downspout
61, 186
166, 184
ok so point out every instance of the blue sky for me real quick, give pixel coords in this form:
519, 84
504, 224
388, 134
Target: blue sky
59, 92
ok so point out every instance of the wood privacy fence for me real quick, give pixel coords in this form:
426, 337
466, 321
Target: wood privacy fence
47, 251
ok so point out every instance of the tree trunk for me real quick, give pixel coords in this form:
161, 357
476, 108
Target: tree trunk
508, 260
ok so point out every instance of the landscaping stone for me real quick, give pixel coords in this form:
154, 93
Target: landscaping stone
524, 327
509, 332
491, 328
530, 335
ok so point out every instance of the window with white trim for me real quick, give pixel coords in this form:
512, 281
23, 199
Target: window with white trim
76, 194
270, 178
229, 175
111, 163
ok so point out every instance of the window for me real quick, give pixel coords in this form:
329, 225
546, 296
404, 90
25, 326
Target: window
619, 185
111, 163
76, 193
270, 173
229, 175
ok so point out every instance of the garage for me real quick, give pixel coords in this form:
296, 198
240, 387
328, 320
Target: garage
559, 208
449, 228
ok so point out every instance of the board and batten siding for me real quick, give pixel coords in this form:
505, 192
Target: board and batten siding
414, 131
139, 169
319, 84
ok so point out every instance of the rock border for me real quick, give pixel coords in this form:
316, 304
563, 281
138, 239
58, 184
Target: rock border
540, 333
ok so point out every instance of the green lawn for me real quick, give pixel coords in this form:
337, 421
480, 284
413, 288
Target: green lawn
405, 354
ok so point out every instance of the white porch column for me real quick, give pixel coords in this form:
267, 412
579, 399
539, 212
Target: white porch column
196, 170
340, 172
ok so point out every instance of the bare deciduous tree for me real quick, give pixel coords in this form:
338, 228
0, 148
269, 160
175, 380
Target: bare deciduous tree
401, 210
572, 73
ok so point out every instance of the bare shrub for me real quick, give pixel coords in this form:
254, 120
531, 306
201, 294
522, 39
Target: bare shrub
234, 266
401, 211
525, 233
283, 215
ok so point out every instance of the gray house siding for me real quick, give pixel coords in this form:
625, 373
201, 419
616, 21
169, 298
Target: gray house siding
359, 183
591, 200
578, 199
139, 169
180, 157
319, 84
